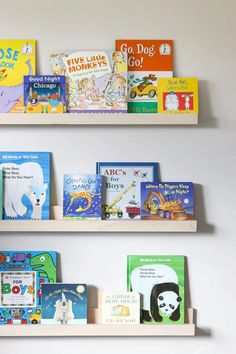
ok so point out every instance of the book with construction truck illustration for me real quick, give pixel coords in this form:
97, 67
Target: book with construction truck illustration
178, 95
17, 58
167, 201
122, 187
22, 274
148, 60
26, 184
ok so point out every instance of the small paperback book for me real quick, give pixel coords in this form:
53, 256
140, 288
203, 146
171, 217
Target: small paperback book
120, 308
82, 197
45, 94
167, 201
160, 280
64, 303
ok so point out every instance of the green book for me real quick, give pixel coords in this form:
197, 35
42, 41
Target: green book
1, 194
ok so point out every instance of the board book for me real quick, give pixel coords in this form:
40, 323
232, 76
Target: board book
17, 58
26, 184
148, 60
160, 280
22, 274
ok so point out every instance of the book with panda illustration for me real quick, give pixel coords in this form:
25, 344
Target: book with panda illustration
160, 280
26, 184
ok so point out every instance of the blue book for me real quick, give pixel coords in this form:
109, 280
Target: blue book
26, 185
122, 187
82, 197
64, 303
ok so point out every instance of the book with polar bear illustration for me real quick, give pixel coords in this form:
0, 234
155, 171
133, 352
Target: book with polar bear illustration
178, 95
17, 58
160, 280
22, 274
64, 303
26, 185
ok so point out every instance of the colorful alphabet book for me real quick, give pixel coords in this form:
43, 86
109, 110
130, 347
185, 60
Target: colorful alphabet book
1, 194
22, 274
82, 197
96, 80
160, 280
26, 184
64, 303
45, 93
167, 201
148, 60
17, 58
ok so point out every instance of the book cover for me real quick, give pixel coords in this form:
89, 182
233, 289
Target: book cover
120, 308
64, 303
26, 185
82, 197
22, 274
45, 94
148, 60
122, 187
160, 280
96, 80
1, 194
167, 201
178, 95
17, 58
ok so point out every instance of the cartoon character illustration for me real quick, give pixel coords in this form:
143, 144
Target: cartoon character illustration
45, 265
187, 100
88, 89
16, 316
57, 65
171, 102
115, 90
64, 312
119, 62
145, 87
120, 310
83, 194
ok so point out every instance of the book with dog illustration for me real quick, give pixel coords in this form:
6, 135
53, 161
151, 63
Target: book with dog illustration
167, 201
178, 95
45, 93
64, 303
160, 281
82, 197
96, 80
26, 183
122, 187
148, 60
1, 194
17, 58
22, 274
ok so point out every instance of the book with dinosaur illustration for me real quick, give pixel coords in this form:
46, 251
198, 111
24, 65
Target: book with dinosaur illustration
160, 281
26, 184
122, 187
148, 60
82, 196
1, 194
45, 93
17, 58
167, 201
22, 274
178, 95
64, 303
96, 80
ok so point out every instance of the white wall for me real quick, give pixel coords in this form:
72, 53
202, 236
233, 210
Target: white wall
205, 47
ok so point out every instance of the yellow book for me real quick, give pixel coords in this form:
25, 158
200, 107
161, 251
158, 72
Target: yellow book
17, 58
178, 95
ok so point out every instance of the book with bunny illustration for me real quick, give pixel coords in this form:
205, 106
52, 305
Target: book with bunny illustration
22, 274
96, 80
26, 185
178, 95
17, 58
148, 60
160, 281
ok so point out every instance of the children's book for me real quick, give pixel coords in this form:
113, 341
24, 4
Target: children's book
178, 95
26, 185
122, 187
1, 194
82, 197
45, 94
148, 60
120, 308
167, 201
160, 280
17, 58
64, 303
96, 80
22, 274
